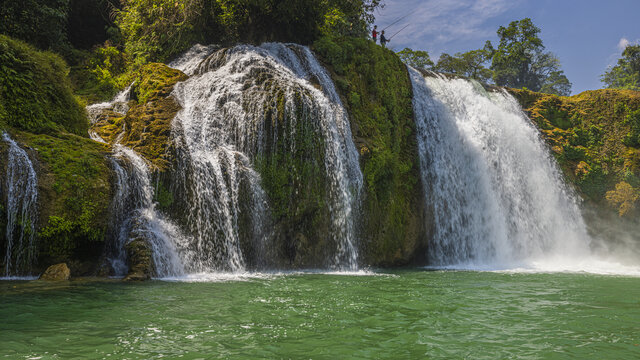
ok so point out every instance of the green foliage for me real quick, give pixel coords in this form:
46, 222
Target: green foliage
633, 137
74, 182
155, 30
163, 196
470, 64
383, 126
520, 61
626, 74
35, 93
102, 74
418, 59
41, 23
594, 136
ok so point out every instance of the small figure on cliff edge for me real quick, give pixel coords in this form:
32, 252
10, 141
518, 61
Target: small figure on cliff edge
383, 40
374, 34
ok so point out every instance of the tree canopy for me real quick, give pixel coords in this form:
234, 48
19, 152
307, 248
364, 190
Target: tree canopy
418, 59
154, 30
626, 74
521, 62
470, 64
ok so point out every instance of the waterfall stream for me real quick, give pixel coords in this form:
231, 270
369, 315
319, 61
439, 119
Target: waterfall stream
135, 215
21, 187
498, 197
220, 132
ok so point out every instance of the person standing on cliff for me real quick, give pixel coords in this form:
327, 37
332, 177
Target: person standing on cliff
374, 34
383, 40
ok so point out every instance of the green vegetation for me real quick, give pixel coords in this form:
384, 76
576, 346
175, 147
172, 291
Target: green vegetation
155, 30
594, 137
101, 74
376, 89
418, 59
295, 181
520, 61
626, 74
35, 94
148, 121
75, 191
41, 23
470, 64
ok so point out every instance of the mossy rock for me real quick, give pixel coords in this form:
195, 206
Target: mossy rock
140, 260
74, 190
375, 87
58, 272
147, 124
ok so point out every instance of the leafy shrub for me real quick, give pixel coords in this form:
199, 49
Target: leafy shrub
36, 94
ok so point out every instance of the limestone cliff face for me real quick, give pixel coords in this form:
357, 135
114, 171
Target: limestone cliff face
595, 138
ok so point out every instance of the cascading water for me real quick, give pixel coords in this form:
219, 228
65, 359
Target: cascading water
498, 198
220, 132
133, 208
135, 215
21, 187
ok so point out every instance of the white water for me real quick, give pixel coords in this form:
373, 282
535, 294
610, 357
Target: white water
133, 208
21, 187
498, 198
189, 62
136, 216
220, 131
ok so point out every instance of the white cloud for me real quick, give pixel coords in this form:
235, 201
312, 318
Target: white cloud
623, 43
436, 24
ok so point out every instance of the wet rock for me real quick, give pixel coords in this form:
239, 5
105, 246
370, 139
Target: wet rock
140, 260
58, 272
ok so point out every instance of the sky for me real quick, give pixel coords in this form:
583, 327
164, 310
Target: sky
586, 35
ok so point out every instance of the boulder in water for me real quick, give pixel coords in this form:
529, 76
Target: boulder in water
58, 272
140, 260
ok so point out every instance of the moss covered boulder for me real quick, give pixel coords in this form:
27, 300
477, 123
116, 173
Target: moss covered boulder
146, 126
140, 260
595, 136
375, 87
74, 190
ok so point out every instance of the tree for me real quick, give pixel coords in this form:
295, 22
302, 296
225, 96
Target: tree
470, 64
42, 23
154, 30
520, 61
418, 59
626, 74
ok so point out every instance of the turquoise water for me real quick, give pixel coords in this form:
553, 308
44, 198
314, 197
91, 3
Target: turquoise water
396, 315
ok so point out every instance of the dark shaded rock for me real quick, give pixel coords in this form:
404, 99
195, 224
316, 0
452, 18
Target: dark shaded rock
140, 260
58, 272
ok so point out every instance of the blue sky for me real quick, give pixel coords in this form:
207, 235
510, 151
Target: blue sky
586, 35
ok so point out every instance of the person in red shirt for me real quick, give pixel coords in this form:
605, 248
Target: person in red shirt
374, 33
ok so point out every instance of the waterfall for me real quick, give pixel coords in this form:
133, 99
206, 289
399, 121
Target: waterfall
135, 215
21, 187
220, 132
497, 196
